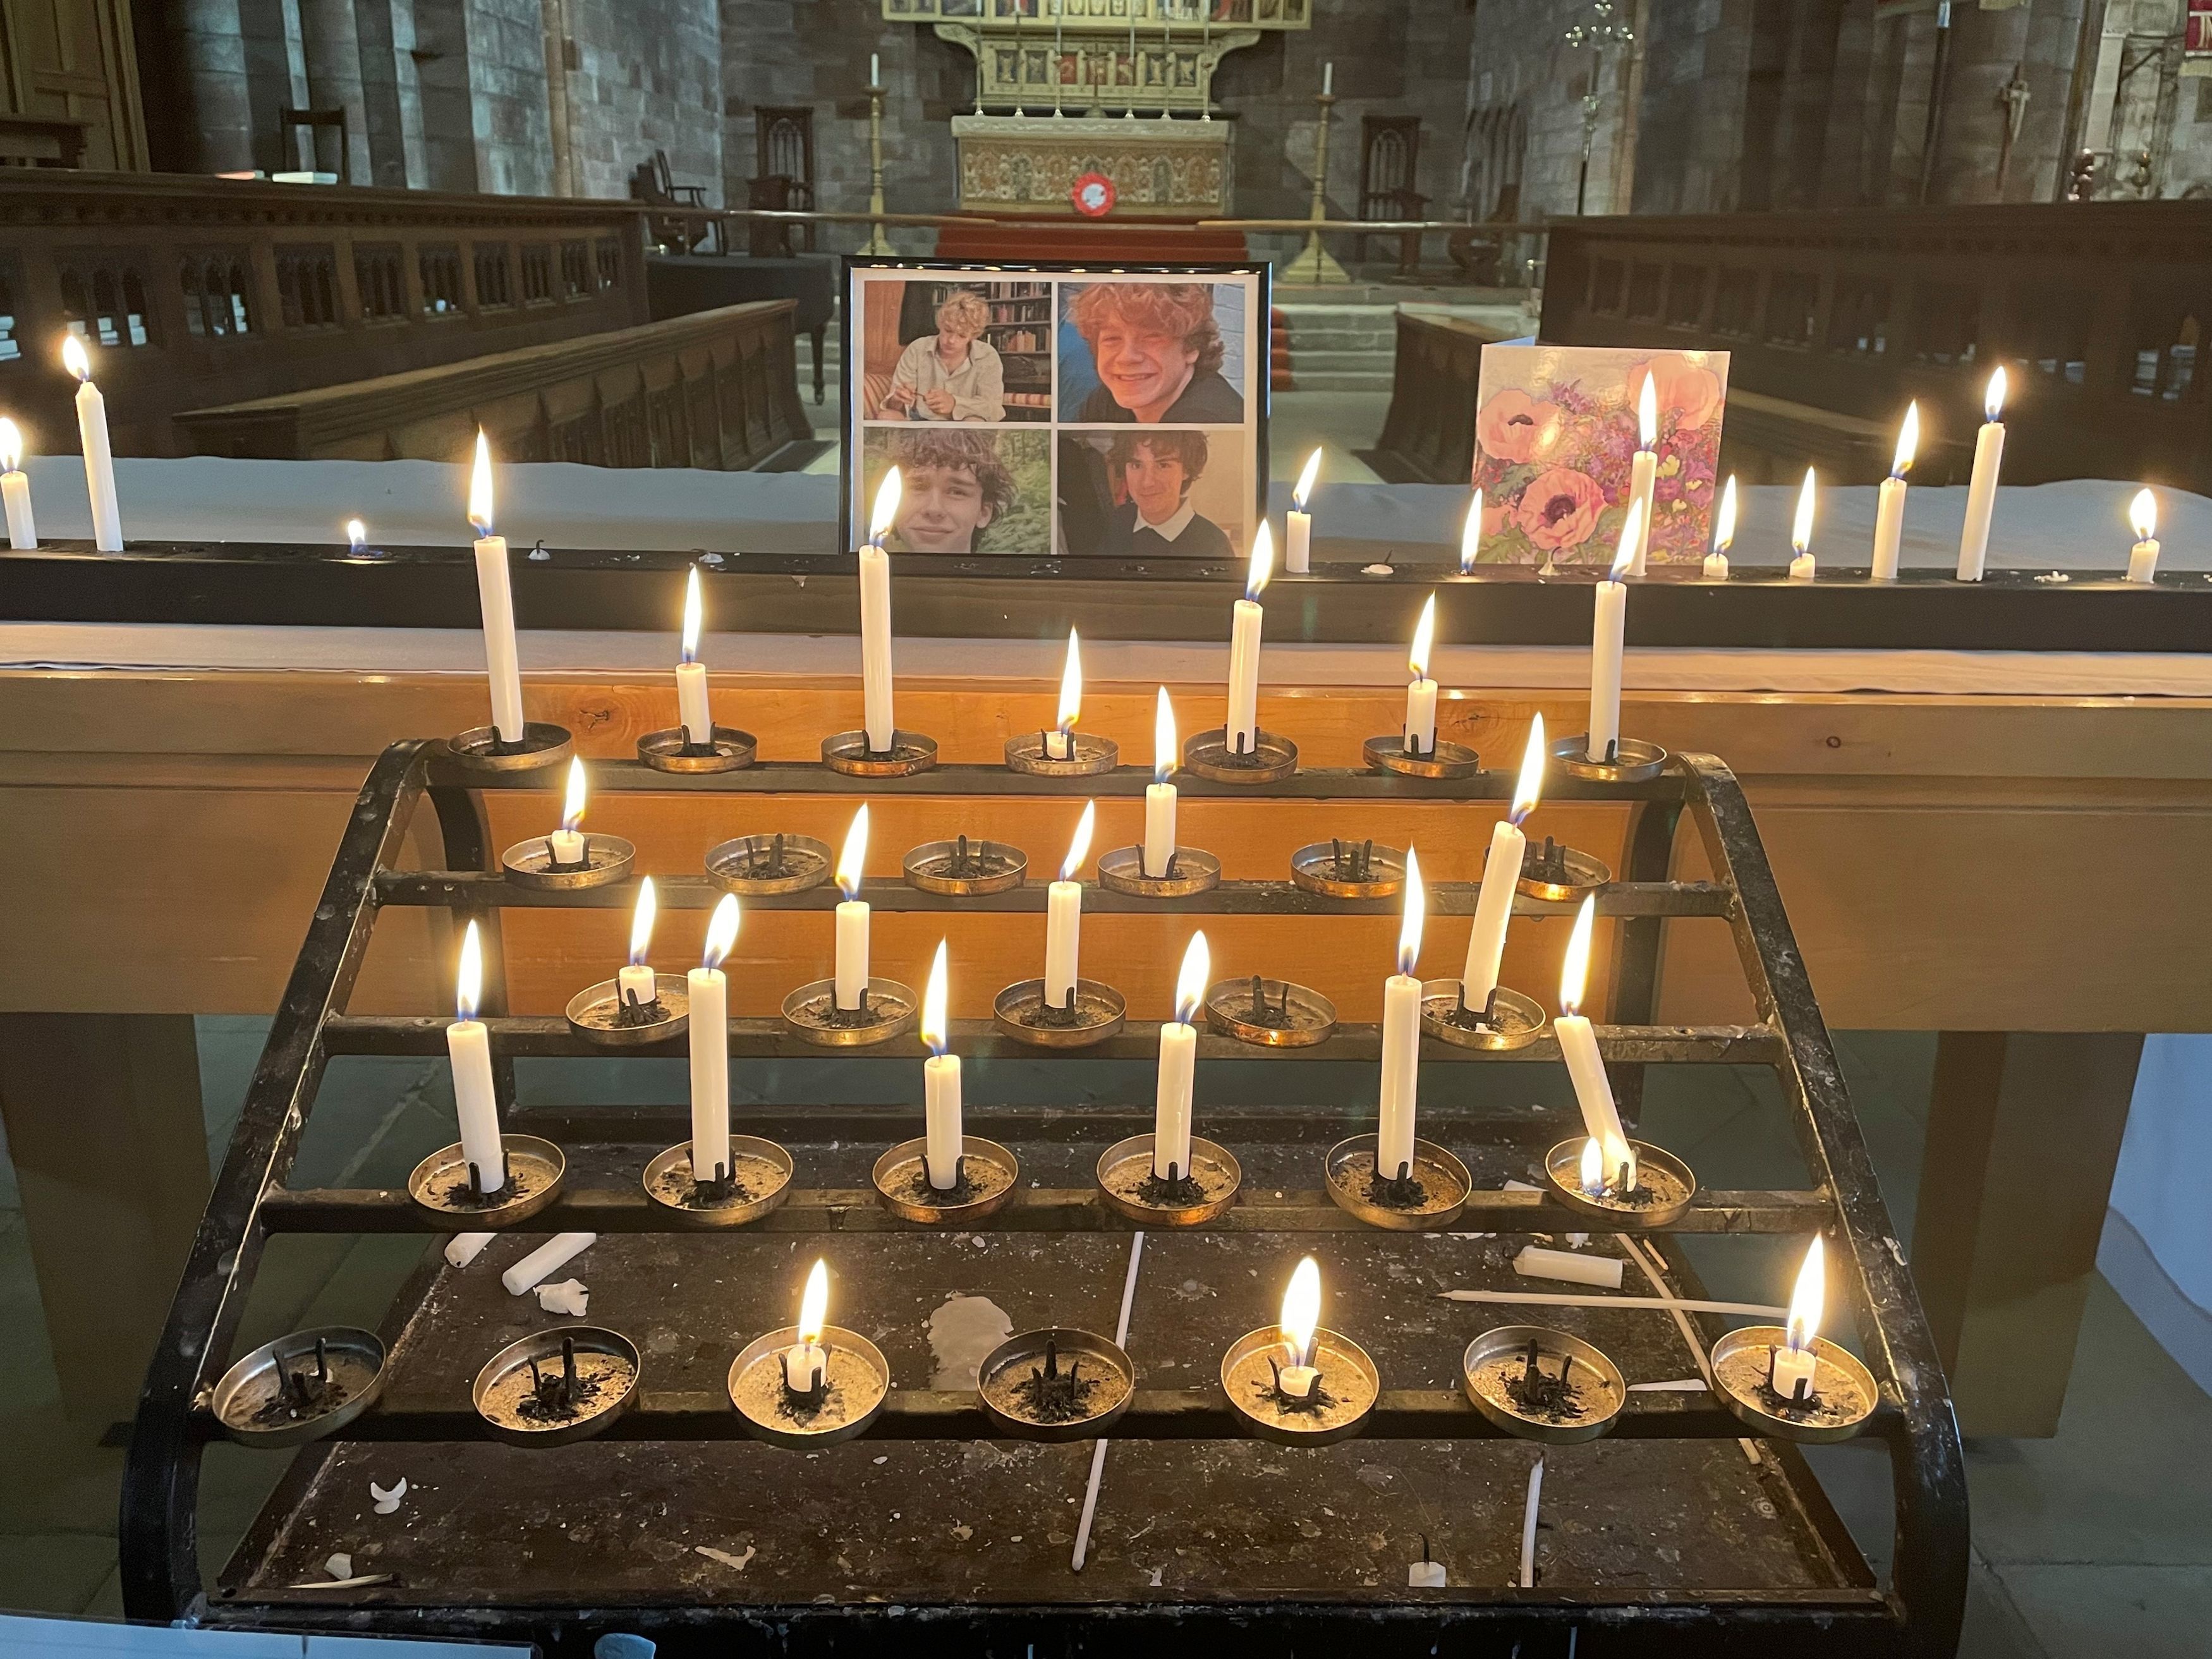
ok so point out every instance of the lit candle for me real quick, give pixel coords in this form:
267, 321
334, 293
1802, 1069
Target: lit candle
1160, 794
1060, 743
565, 848
1244, 721
806, 1362
1578, 1047
1801, 533
1981, 491
876, 619
1717, 565
1643, 471
356, 535
1063, 923
16, 489
1178, 1065
1591, 1175
1609, 642
940, 1082
496, 602
468, 1044
852, 916
693, 712
2142, 557
634, 986
1297, 528
710, 1046
1420, 736
1470, 536
1297, 1376
1501, 871
1889, 505
99, 457
1793, 1368
1401, 1037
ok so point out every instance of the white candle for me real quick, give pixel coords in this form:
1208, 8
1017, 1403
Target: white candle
1982, 490
1300, 1324
876, 620
1889, 505
1401, 1037
468, 1043
567, 846
1801, 533
1608, 643
1179, 1066
1643, 472
710, 1046
852, 917
1060, 743
1243, 718
1297, 528
1328, 79
1160, 794
693, 711
1470, 536
1794, 1363
2143, 558
1064, 917
99, 457
806, 1362
496, 602
1420, 732
1585, 1065
1716, 564
554, 1254
634, 984
875, 72
1574, 1267
1501, 873
16, 489
462, 1249
940, 1081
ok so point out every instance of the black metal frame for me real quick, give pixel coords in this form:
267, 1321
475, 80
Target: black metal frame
1920, 1614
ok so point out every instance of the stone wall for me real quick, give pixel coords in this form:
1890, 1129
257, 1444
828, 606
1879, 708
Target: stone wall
645, 74
1528, 90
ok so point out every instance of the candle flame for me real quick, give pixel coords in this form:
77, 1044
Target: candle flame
1908, 440
2142, 513
1801, 528
1263, 561
1592, 1173
1528, 788
1470, 536
814, 1305
1191, 980
1574, 972
1724, 523
11, 445
1071, 684
932, 1004
1425, 636
1164, 739
1807, 1300
1301, 1311
694, 610
886, 509
1304, 487
640, 922
721, 933
480, 514
572, 811
1647, 412
1416, 910
356, 534
74, 357
854, 855
1631, 531
1993, 400
1079, 849
468, 983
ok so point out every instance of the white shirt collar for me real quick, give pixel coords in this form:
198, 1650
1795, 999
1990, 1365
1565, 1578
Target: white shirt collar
1173, 525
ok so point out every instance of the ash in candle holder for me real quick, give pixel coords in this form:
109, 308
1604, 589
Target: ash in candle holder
1506, 1019
672, 750
1201, 1194
1056, 1384
607, 860
1337, 868
886, 1009
1269, 760
602, 1014
300, 1388
1429, 1193
1834, 1405
481, 749
985, 1177
1630, 760
963, 868
909, 753
1334, 1405
757, 865
451, 1190
1189, 872
1093, 1013
1443, 759
847, 1395
1273, 1013
556, 1387
753, 1178
1655, 1191
1085, 755
1542, 1384
1557, 871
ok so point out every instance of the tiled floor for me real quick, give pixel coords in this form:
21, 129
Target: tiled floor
2096, 1542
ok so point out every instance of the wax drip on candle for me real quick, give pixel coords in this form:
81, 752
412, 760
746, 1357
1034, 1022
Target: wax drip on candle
1470, 535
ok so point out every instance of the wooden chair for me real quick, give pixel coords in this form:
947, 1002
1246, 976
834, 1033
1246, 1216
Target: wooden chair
653, 184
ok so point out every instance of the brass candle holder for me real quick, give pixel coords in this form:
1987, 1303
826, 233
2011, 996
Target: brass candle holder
1273, 1013
1442, 759
909, 753
1430, 1195
1349, 869
300, 1388
1507, 1020
1270, 760
607, 860
855, 1378
986, 1180
755, 866
1205, 1192
755, 1178
1842, 1396
888, 1009
1055, 1385
1558, 871
598, 1013
728, 750
479, 748
1343, 1396
1086, 755
1664, 1186
554, 1388
1093, 1013
1634, 760
962, 868
1543, 1385
444, 1185
1189, 871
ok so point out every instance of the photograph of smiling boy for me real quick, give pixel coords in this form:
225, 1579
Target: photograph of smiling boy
1166, 493
964, 492
1152, 352
955, 351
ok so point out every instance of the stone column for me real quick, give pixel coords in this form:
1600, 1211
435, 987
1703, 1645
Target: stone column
331, 43
209, 42
2005, 65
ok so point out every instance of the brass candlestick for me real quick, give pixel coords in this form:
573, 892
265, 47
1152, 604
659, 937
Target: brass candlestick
963, 867
848, 752
1189, 872
888, 1009
1093, 1013
1082, 755
1342, 1398
854, 1379
1203, 1193
598, 1013
1552, 870
728, 750
1315, 264
1841, 1398
1056, 1384
607, 860
1273, 1013
1430, 1195
755, 1178
985, 1180
1542, 1384
300, 1388
1337, 868
444, 1185
542, 743
554, 1388
1664, 1186
877, 245
757, 865
1633, 760
1506, 1021
1270, 760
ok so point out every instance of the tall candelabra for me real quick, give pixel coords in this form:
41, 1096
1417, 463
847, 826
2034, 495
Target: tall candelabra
877, 244
1314, 263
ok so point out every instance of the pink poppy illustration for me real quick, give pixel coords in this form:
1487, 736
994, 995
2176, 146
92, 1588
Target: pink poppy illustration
1691, 391
1559, 508
1515, 427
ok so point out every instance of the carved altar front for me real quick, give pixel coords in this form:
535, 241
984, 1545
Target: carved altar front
1029, 163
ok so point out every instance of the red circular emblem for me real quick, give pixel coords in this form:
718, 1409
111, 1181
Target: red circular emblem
1093, 195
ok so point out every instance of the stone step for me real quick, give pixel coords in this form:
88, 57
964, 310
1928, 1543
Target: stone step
1368, 379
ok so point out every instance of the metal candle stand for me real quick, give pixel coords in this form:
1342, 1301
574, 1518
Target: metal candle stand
1897, 1393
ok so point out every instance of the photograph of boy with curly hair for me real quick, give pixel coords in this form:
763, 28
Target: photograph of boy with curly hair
1155, 351
964, 492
